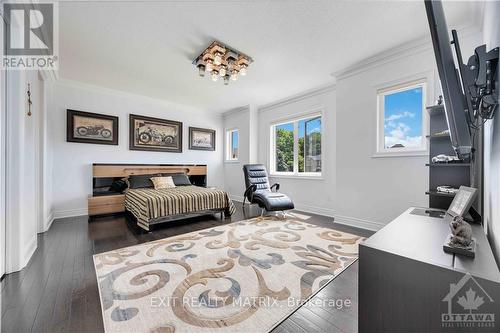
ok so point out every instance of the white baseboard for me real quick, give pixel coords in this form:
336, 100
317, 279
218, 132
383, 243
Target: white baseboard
346, 220
48, 221
315, 210
237, 198
358, 223
59, 214
28, 253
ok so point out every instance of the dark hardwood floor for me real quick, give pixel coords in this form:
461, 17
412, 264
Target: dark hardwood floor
57, 291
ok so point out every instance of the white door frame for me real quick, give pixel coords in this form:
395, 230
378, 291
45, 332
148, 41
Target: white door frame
3, 155
39, 153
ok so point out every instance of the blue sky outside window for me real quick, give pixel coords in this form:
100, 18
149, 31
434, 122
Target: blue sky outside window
403, 119
234, 144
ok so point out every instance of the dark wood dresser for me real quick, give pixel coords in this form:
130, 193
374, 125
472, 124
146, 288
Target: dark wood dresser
407, 283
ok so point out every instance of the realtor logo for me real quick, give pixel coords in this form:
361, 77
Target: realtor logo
469, 305
30, 34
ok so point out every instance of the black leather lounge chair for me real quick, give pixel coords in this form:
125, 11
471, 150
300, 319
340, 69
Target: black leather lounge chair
259, 192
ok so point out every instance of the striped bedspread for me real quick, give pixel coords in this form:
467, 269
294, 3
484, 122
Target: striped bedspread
147, 203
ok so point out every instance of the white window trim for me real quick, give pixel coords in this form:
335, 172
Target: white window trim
272, 156
299, 176
229, 145
380, 150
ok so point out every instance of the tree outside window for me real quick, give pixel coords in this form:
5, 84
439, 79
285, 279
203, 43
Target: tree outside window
284, 148
297, 146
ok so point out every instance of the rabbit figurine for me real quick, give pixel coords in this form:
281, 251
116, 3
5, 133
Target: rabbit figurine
462, 232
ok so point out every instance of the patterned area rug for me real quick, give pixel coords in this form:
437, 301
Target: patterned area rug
241, 277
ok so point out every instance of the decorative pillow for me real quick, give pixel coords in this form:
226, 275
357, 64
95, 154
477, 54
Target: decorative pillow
142, 181
118, 186
180, 179
125, 179
163, 182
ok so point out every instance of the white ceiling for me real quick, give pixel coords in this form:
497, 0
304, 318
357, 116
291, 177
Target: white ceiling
147, 47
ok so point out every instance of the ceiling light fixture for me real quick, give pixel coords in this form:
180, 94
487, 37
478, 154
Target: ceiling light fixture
221, 60
234, 75
209, 67
222, 70
215, 75
243, 70
218, 58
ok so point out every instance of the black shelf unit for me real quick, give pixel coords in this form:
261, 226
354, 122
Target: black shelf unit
452, 174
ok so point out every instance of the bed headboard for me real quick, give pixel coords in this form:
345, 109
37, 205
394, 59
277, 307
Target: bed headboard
124, 170
103, 174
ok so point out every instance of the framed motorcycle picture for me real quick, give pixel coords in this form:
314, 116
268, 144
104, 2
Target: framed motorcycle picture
155, 134
87, 127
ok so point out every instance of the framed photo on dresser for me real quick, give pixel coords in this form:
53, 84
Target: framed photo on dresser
87, 127
201, 138
155, 134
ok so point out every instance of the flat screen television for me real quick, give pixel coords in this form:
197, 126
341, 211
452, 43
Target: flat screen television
454, 99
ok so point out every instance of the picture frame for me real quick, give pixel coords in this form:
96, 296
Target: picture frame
154, 134
94, 128
201, 139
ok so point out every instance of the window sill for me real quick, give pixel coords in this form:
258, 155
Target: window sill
416, 153
308, 177
231, 161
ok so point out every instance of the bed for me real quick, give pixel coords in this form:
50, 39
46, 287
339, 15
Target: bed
150, 206
143, 204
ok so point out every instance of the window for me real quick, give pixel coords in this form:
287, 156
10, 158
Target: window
296, 147
401, 125
232, 145
284, 147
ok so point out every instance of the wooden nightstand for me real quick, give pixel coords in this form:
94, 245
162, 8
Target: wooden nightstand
106, 204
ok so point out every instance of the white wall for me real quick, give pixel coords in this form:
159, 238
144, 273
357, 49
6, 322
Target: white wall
313, 195
375, 190
253, 129
3, 137
21, 168
71, 162
245, 119
47, 159
355, 187
233, 172
491, 35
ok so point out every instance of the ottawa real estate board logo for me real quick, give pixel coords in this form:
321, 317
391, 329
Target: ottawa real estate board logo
30, 35
469, 305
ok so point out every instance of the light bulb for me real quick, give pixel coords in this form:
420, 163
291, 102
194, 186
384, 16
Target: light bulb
209, 67
226, 80
201, 70
243, 70
222, 71
234, 75
218, 58
215, 75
